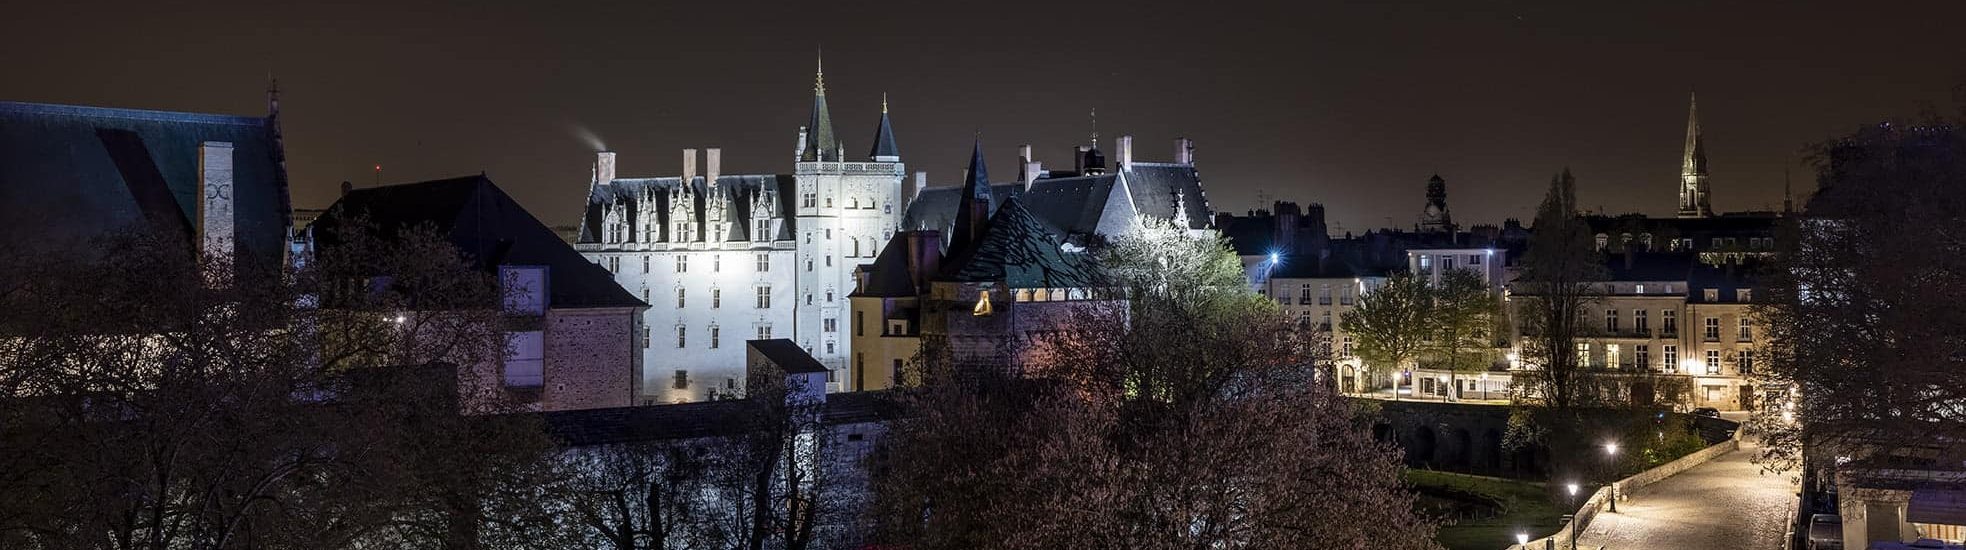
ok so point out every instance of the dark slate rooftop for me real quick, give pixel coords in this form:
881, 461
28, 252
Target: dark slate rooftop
699, 420
888, 276
1078, 206
1651, 266
788, 356
488, 227
70, 173
1019, 250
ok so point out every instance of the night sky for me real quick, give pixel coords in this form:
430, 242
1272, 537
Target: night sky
1353, 105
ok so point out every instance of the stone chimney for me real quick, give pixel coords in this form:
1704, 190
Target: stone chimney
215, 219
924, 257
921, 182
689, 167
1184, 151
1125, 146
603, 167
1078, 159
712, 163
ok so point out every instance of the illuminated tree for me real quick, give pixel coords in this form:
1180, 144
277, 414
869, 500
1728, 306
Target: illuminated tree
1391, 324
1559, 276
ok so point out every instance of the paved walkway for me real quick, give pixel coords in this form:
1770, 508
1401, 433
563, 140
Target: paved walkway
1726, 503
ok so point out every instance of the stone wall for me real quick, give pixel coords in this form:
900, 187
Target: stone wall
591, 359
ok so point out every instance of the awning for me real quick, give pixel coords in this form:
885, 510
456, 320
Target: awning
1939, 506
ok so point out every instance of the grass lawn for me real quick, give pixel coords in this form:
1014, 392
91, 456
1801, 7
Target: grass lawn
1525, 508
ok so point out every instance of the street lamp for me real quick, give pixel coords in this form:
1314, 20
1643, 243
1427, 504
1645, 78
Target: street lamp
1572, 487
1611, 453
1522, 540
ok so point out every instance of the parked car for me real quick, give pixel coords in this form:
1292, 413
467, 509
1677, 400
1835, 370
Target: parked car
1826, 532
1708, 412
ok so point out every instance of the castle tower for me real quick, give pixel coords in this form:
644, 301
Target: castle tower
845, 210
1693, 187
1435, 217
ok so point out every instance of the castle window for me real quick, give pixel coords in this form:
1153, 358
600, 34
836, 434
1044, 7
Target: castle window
831, 324
682, 336
764, 263
716, 263
645, 263
1672, 357
764, 332
1713, 361
829, 295
680, 295
764, 297
856, 248
682, 263
682, 380
716, 298
716, 336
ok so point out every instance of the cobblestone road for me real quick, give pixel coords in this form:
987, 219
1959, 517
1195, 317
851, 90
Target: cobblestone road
1724, 504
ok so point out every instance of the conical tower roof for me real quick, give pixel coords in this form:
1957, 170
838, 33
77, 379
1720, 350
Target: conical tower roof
884, 149
820, 142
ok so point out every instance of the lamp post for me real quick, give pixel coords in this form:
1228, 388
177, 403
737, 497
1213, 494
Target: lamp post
1522, 540
1572, 487
1611, 454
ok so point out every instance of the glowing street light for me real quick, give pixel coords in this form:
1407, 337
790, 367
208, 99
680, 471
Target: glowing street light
1611, 453
1522, 540
1572, 487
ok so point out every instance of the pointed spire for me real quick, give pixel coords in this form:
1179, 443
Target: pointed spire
884, 149
974, 211
1693, 187
819, 143
1095, 127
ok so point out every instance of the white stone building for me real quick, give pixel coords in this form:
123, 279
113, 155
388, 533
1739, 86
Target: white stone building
722, 259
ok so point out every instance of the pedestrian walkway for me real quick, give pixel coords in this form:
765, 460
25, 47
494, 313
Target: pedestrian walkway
1726, 503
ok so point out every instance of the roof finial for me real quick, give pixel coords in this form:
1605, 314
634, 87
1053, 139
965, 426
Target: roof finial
1095, 127
819, 77
883, 103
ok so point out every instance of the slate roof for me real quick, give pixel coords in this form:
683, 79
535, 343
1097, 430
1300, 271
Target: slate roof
651, 196
888, 276
488, 227
788, 356
1019, 250
70, 173
1080, 205
884, 138
1651, 266
697, 420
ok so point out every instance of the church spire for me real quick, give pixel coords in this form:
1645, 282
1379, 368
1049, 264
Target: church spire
1693, 187
819, 143
974, 211
884, 149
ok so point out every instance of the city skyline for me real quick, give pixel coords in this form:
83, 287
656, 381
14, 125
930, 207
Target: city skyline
1359, 106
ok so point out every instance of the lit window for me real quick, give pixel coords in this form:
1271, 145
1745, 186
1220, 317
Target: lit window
1671, 354
1713, 361
982, 305
1747, 329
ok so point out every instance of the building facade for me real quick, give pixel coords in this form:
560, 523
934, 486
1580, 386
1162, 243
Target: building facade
723, 259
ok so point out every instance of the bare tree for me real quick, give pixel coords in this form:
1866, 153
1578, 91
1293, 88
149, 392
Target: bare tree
151, 406
1192, 418
1863, 310
1559, 277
